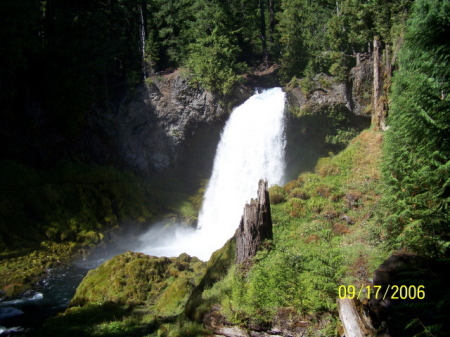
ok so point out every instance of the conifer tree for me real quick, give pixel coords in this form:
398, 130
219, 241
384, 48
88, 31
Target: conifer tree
416, 166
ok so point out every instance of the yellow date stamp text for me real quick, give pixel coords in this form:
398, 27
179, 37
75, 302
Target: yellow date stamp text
395, 292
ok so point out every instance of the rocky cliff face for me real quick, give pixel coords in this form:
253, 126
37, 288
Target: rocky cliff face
355, 94
325, 115
165, 124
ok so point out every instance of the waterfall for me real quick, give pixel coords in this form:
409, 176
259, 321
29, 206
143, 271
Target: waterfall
251, 147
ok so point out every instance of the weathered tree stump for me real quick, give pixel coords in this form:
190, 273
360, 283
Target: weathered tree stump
354, 322
255, 225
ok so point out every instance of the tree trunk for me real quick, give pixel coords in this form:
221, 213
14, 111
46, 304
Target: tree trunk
262, 29
255, 225
272, 20
376, 118
353, 321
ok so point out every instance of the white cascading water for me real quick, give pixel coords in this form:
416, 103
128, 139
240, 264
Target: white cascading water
251, 147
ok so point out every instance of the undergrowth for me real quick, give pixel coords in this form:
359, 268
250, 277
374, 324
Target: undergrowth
324, 236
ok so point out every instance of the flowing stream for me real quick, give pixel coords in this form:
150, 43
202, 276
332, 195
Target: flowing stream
251, 147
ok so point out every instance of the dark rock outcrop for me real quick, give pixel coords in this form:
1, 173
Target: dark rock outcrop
361, 86
325, 91
255, 225
162, 125
323, 120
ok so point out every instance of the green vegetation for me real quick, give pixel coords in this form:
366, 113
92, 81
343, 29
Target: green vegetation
63, 60
414, 214
137, 279
417, 150
73, 56
131, 294
314, 248
334, 122
138, 294
325, 36
19, 269
49, 216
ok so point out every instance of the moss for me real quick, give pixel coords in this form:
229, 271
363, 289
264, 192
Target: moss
173, 299
298, 193
217, 268
133, 294
106, 319
163, 285
19, 272
276, 194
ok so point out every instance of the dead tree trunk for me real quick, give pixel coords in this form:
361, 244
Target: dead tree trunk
255, 225
355, 324
376, 118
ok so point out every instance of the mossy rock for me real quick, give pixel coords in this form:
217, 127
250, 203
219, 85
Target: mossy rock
217, 268
276, 194
20, 269
174, 297
161, 284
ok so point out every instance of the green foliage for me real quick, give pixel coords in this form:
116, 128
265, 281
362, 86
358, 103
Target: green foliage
276, 194
313, 252
132, 294
333, 123
417, 152
21, 268
162, 284
301, 28
213, 62
182, 328
105, 320
319, 36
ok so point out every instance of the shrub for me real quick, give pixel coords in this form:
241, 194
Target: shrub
299, 194
276, 194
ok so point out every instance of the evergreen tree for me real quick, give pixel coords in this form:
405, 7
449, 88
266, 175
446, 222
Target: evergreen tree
416, 166
214, 52
303, 29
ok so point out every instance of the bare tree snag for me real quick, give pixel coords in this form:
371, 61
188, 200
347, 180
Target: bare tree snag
376, 83
379, 104
255, 225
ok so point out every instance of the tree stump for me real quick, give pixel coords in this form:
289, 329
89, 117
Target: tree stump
354, 322
255, 225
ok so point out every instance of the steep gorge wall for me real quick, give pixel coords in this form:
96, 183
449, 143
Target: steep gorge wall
165, 124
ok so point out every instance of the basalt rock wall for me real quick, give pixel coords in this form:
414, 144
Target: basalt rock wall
164, 124
324, 115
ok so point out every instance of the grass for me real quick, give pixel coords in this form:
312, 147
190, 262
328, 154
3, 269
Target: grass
324, 236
